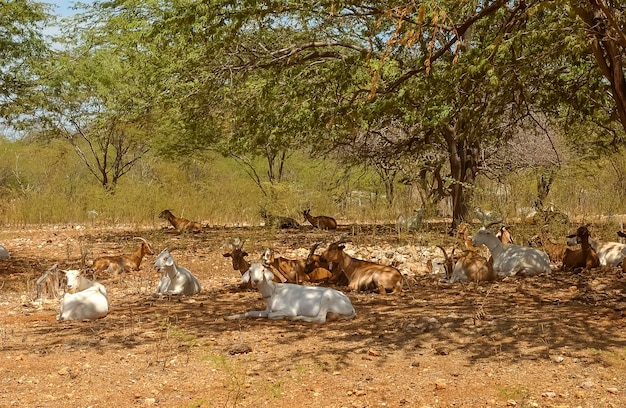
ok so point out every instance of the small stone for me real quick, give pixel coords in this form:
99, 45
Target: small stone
549, 394
440, 385
587, 384
64, 371
612, 390
511, 403
240, 349
579, 394
149, 401
373, 352
557, 358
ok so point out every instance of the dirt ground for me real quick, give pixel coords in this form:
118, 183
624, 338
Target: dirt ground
546, 341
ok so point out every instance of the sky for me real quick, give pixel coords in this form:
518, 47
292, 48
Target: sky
63, 8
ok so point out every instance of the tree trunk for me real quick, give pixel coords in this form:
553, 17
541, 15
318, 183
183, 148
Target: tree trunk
463, 158
607, 44
544, 183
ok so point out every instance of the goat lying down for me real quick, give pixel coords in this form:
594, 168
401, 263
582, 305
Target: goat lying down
510, 259
314, 304
467, 266
175, 280
85, 299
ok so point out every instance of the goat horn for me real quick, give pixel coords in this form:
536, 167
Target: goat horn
491, 224
445, 255
143, 239
314, 248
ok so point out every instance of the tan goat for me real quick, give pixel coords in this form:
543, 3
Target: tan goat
321, 221
468, 266
554, 250
180, 224
117, 264
285, 270
364, 275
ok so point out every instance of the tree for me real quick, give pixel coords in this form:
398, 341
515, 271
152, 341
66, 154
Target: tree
93, 93
21, 43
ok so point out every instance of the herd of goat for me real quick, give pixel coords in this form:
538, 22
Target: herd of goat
288, 285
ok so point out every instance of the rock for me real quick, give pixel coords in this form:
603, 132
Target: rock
240, 349
440, 385
557, 358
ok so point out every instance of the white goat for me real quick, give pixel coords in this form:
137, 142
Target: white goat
4, 254
295, 302
510, 259
175, 280
410, 222
86, 299
609, 253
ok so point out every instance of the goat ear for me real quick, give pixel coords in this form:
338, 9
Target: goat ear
268, 275
245, 278
245, 253
228, 255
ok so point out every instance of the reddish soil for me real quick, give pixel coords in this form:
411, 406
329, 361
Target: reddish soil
546, 341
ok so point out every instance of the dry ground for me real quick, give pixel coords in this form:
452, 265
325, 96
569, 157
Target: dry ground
547, 341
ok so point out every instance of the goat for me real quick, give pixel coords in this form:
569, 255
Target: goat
316, 267
364, 275
410, 222
180, 224
609, 253
175, 280
504, 235
321, 221
487, 217
313, 304
468, 266
585, 257
123, 263
84, 299
238, 255
464, 234
511, 259
554, 250
4, 254
279, 221
285, 270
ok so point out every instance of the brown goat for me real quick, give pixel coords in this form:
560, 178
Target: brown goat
238, 255
504, 234
285, 270
464, 234
364, 275
317, 267
117, 264
321, 221
180, 224
278, 221
585, 257
468, 266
